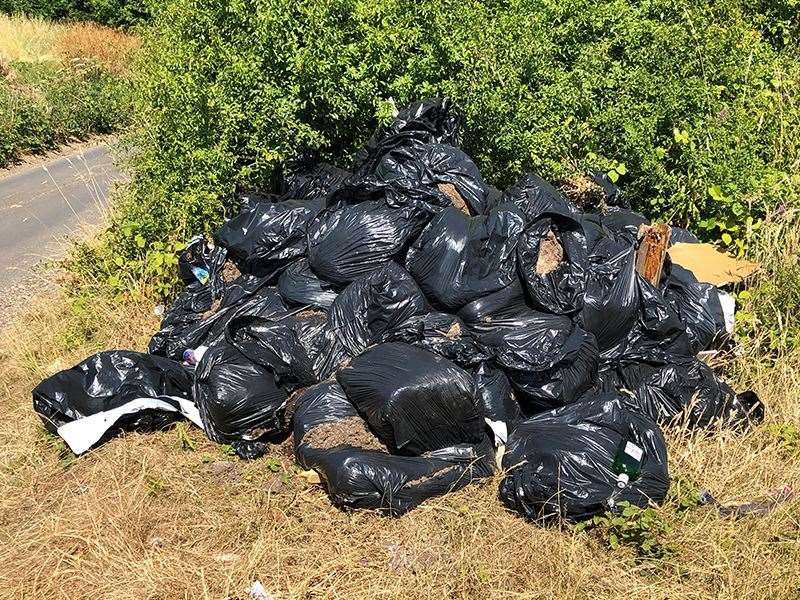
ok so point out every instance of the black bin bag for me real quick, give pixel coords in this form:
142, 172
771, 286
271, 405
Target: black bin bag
534, 197
559, 463
239, 400
458, 259
352, 240
611, 295
552, 261
331, 438
265, 238
306, 178
446, 335
505, 307
698, 306
548, 359
186, 326
123, 390
430, 176
500, 407
415, 401
430, 121
300, 286
380, 306
687, 390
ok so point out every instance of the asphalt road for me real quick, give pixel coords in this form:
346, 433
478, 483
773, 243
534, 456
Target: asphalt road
41, 206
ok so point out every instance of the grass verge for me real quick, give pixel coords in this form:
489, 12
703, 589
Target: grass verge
171, 515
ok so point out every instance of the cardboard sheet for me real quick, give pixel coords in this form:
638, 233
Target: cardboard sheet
710, 265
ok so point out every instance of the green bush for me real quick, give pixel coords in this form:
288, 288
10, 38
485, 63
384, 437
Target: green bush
46, 104
114, 13
695, 104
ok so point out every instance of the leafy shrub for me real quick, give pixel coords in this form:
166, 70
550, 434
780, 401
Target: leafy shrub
115, 13
692, 101
45, 104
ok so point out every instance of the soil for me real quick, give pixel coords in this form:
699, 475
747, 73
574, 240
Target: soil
291, 406
427, 478
449, 190
230, 271
347, 432
551, 254
454, 331
214, 308
310, 314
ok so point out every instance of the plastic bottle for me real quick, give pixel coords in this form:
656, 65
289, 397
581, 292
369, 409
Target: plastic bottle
627, 462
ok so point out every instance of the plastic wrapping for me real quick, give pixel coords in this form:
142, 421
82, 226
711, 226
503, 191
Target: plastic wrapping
238, 399
614, 195
109, 380
415, 401
458, 258
351, 241
559, 463
267, 237
331, 438
200, 263
299, 285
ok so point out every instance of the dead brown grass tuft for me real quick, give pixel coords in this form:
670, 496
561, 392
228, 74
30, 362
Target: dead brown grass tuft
88, 41
146, 516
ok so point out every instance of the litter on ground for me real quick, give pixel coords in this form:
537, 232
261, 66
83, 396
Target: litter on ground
410, 325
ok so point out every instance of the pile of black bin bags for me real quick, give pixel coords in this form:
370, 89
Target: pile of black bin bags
404, 318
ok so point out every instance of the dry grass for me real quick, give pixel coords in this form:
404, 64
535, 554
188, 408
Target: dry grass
28, 39
146, 516
24, 39
81, 41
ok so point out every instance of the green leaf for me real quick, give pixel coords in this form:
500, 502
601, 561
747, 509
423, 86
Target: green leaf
727, 239
613, 176
716, 192
140, 241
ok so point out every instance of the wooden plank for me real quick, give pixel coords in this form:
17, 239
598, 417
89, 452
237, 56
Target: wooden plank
653, 242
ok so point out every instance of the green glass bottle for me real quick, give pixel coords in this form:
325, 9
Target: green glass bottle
627, 462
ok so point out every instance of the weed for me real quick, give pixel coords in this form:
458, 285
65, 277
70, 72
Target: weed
642, 529
185, 440
273, 464
787, 436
